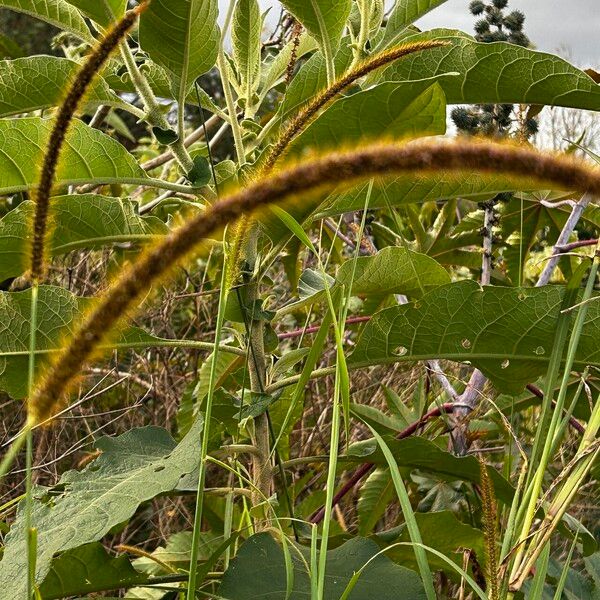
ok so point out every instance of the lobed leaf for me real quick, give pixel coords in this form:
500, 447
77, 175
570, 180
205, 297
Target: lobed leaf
132, 468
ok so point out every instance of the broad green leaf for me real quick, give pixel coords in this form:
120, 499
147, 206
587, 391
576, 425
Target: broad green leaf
132, 468
89, 156
245, 41
97, 9
418, 188
86, 570
393, 270
405, 13
58, 313
82, 221
59, 13
497, 72
258, 572
375, 495
183, 37
323, 19
389, 109
445, 533
506, 332
419, 453
38, 82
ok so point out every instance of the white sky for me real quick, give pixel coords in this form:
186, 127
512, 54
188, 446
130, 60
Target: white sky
550, 24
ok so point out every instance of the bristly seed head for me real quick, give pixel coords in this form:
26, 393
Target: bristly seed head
379, 160
76, 92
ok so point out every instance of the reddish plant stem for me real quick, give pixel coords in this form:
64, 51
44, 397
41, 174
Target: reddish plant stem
315, 328
575, 245
575, 424
366, 468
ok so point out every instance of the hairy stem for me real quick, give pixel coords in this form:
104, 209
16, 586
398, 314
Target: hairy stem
154, 113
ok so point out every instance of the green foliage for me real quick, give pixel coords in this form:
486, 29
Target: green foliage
508, 333
193, 34
37, 82
260, 569
323, 19
377, 315
90, 156
82, 221
58, 312
59, 13
132, 468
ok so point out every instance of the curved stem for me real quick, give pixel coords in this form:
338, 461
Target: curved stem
153, 110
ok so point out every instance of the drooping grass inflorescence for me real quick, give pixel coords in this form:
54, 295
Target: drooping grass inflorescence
339, 168
305, 116
74, 96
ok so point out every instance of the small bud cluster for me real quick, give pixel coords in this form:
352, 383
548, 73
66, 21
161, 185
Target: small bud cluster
495, 25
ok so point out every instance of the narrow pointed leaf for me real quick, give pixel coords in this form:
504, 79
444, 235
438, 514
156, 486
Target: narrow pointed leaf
245, 40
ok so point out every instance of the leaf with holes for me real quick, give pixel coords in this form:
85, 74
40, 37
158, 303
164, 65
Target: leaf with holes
132, 468
506, 332
89, 156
